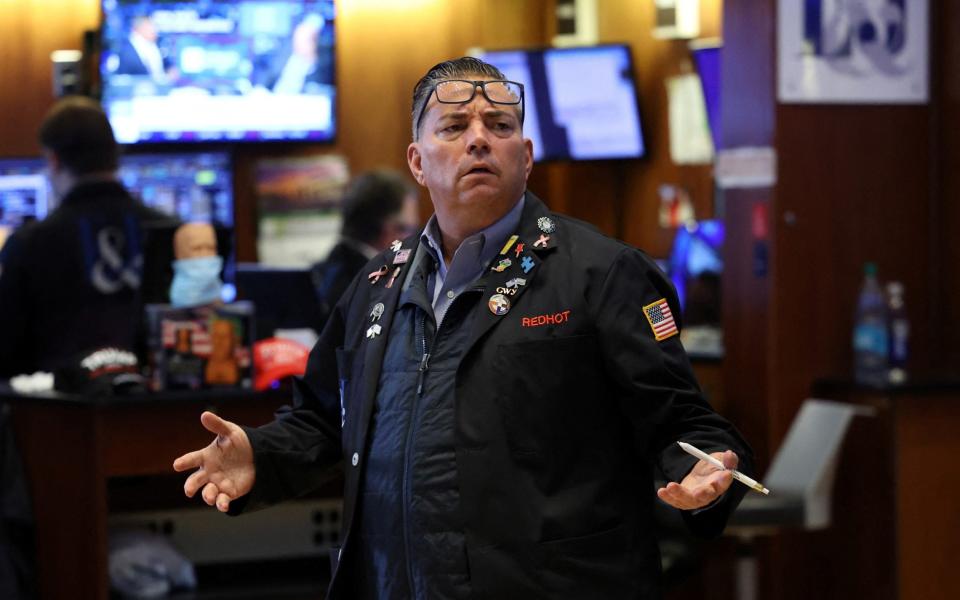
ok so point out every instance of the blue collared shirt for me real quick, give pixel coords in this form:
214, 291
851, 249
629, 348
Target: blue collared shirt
470, 260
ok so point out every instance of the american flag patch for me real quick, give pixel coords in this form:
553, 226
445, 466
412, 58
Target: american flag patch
661, 319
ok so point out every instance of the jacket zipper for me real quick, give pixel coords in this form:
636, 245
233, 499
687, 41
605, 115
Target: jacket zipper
408, 450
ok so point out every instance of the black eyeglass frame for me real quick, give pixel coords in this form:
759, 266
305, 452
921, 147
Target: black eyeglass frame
473, 94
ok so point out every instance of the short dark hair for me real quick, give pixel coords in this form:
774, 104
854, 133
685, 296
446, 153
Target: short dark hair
465, 66
77, 131
370, 200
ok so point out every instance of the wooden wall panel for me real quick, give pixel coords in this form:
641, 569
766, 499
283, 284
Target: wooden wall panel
946, 218
29, 31
856, 181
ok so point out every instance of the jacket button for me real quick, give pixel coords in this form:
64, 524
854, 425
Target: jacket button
355, 459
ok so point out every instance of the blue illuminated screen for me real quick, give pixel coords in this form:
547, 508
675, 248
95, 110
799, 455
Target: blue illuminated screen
581, 103
707, 59
238, 70
25, 193
191, 186
696, 252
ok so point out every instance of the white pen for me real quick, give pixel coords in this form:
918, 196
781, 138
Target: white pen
750, 483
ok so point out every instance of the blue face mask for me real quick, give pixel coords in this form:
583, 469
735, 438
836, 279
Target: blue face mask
196, 281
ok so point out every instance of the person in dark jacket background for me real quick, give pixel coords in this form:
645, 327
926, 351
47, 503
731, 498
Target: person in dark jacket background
499, 387
378, 207
70, 283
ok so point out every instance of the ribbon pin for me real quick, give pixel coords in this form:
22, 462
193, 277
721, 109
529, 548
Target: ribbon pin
542, 242
376, 275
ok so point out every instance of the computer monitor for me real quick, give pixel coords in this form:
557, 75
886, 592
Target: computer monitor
581, 103
283, 298
25, 193
695, 266
192, 186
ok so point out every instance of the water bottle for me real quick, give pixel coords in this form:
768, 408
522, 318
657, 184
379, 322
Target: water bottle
871, 342
899, 333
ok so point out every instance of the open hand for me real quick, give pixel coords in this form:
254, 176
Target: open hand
225, 468
702, 485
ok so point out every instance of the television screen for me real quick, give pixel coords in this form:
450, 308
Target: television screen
581, 103
196, 186
25, 193
238, 70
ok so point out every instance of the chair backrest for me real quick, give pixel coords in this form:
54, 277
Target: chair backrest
805, 464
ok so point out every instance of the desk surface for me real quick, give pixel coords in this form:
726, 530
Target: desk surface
218, 395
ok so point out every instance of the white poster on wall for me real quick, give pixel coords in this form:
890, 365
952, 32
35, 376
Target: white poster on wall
853, 51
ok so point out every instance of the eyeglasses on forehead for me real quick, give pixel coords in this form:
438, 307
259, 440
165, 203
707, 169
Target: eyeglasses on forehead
461, 91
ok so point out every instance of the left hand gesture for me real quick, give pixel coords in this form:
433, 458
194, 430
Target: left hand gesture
702, 485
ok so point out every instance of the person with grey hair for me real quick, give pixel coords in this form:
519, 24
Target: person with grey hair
499, 388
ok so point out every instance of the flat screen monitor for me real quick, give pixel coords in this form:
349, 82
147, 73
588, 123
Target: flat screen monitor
284, 298
581, 103
218, 70
706, 55
193, 186
695, 266
25, 193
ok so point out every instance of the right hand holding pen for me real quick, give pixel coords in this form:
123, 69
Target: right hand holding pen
225, 469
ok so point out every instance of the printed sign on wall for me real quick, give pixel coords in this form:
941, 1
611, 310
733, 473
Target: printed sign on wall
853, 51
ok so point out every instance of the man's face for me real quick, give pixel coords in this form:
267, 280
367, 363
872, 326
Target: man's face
473, 159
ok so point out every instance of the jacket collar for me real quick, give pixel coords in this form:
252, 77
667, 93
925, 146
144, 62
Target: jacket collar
537, 236
512, 273
387, 275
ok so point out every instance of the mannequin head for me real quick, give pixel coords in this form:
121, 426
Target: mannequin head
193, 240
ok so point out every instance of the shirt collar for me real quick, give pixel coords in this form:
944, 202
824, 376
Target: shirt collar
481, 246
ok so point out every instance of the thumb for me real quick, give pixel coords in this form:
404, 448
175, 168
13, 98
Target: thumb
215, 424
730, 459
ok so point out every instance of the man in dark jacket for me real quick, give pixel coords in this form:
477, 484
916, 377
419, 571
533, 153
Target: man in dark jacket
500, 388
70, 283
378, 207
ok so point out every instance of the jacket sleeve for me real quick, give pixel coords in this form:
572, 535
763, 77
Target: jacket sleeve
14, 309
657, 388
296, 452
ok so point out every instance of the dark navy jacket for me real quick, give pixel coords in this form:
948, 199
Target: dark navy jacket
563, 404
71, 283
409, 541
